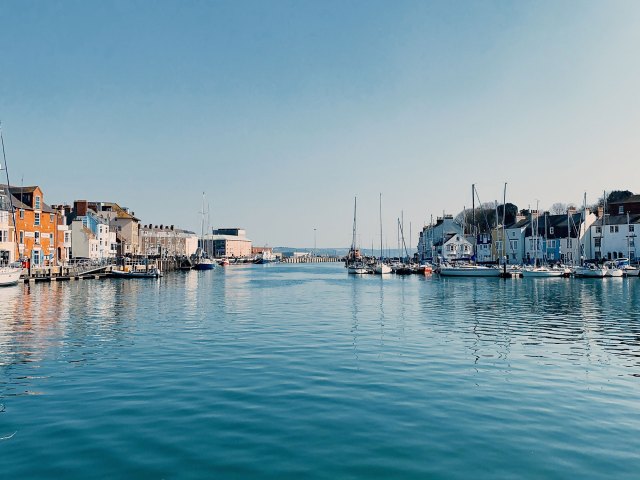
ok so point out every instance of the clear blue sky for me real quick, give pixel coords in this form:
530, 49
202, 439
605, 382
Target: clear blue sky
283, 111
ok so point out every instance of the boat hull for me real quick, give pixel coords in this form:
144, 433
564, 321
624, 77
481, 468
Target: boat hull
469, 272
542, 273
9, 276
382, 269
204, 266
123, 274
590, 272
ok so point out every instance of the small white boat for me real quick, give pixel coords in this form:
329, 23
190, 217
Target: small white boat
381, 268
468, 271
611, 270
9, 276
630, 271
590, 270
542, 272
358, 268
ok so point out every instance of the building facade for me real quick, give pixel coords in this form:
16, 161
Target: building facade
164, 241
435, 234
227, 243
36, 225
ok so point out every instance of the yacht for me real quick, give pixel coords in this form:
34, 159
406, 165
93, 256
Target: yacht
468, 270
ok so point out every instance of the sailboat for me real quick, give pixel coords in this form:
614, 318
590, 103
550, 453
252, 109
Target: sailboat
201, 260
9, 274
587, 270
355, 263
380, 267
540, 271
469, 269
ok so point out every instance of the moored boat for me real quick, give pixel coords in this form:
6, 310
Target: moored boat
542, 272
589, 270
9, 276
468, 271
151, 272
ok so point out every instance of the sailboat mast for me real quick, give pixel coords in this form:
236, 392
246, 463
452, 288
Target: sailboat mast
6, 171
504, 213
353, 240
381, 226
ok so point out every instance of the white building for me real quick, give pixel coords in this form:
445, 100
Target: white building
515, 240
436, 233
453, 247
167, 241
84, 243
614, 236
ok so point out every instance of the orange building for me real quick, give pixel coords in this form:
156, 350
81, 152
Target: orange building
41, 232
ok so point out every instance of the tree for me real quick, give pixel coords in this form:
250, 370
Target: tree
618, 195
511, 211
558, 208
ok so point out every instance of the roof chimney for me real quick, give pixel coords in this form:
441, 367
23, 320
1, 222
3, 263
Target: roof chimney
600, 211
81, 207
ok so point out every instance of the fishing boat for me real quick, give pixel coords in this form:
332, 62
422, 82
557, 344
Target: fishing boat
9, 275
264, 257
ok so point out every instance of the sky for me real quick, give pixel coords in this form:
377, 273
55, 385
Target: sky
283, 112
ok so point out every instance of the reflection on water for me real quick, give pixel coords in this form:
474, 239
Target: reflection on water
236, 369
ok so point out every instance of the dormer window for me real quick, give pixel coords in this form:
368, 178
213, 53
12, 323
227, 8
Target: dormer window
37, 203
621, 210
551, 230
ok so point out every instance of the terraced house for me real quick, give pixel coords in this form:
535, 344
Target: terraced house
42, 236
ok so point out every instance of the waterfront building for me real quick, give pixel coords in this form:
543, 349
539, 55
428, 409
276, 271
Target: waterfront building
36, 224
123, 222
614, 236
163, 241
561, 238
436, 233
227, 243
84, 245
453, 247
484, 250
515, 239
630, 205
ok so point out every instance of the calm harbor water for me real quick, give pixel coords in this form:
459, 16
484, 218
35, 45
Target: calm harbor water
301, 371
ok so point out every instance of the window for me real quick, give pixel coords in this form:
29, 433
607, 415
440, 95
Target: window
551, 230
4, 235
598, 229
37, 236
21, 236
36, 221
598, 242
37, 205
620, 209
569, 243
36, 257
51, 217
631, 228
21, 214
613, 229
